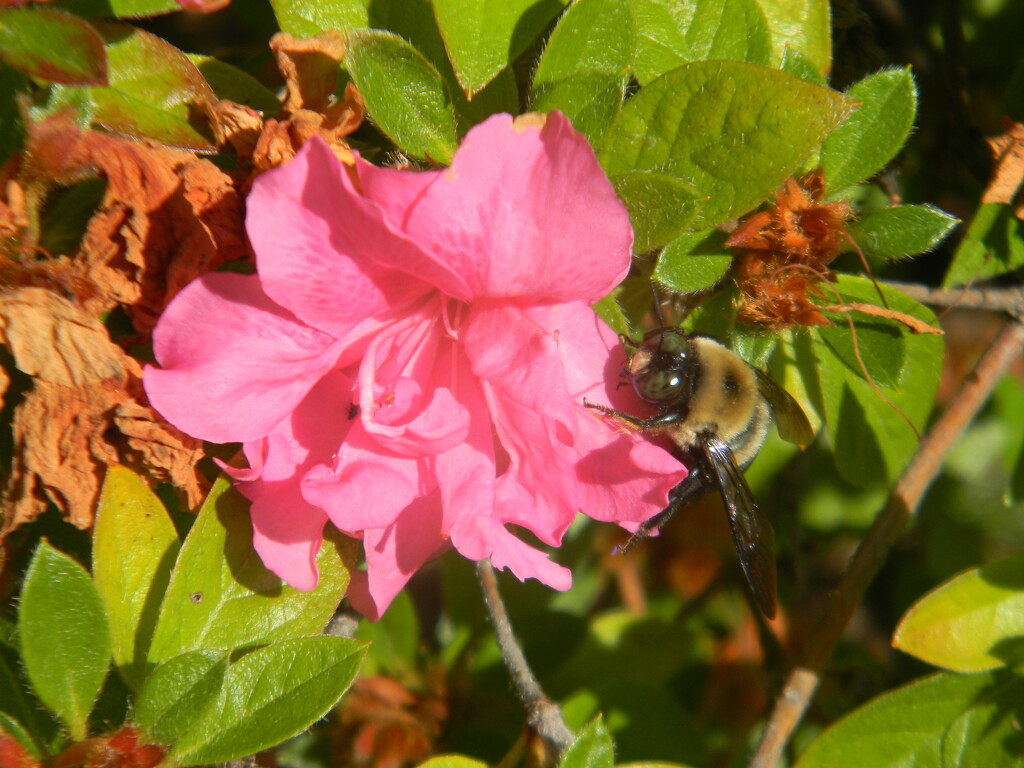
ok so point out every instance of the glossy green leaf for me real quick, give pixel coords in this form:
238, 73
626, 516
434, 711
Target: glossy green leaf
52, 45
122, 9
405, 96
944, 720
871, 439
482, 37
971, 623
231, 83
134, 547
452, 761
593, 36
154, 91
693, 261
589, 99
221, 595
593, 748
269, 696
993, 245
879, 343
65, 637
660, 206
875, 132
178, 693
798, 65
733, 130
305, 19
902, 231
673, 33
803, 26
12, 123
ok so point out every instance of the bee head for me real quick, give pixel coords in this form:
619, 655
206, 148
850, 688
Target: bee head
661, 370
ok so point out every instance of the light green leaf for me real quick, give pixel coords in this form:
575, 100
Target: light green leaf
993, 245
694, 261
733, 130
452, 761
871, 136
178, 693
798, 65
803, 26
944, 720
122, 9
660, 206
231, 83
52, 45
65, 638
482, 37
593, 748
305, 19
589, 99
269, 696
973, 622
901, 231
871, 439
673, 33
593, 36
134, 547
221, 596
405, 96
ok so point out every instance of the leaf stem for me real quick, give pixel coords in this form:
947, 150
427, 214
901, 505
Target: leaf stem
802, 683
542, 714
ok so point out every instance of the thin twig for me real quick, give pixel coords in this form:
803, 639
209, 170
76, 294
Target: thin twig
542, 714
803, 681
1010, 300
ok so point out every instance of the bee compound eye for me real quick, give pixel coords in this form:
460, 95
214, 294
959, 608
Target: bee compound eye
660, 386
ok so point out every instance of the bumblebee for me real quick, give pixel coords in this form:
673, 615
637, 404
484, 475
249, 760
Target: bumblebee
717, 409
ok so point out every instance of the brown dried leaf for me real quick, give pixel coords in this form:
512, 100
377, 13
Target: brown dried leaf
85, 411
237, 125
1008, 173
310, 68
909, 321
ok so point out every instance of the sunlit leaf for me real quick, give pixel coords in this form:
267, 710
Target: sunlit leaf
231, 83
122, 9
593, 748
993, 245
178, 693
694, 261
589, 99
902, 231
52, 45
660, 206
803, 26
971, 623
592, 36
305, 19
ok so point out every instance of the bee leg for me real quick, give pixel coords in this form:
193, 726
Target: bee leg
632, 422
692, 488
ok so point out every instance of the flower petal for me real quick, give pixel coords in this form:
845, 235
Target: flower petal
315, 239
526, 211
234, 363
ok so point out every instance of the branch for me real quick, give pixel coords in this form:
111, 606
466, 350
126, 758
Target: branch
1010, 300
803, 681
542, 714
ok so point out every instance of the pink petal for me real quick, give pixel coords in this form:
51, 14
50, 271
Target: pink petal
234, 363
526, 211
287, 535
316, 239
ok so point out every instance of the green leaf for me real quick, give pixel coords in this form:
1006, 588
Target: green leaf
589, 99
17, 705
404, 95
674, 33
52, 45
269, 696
452, 761
482, 37
944, 720
122, 9
871, 439
593, 748
733, 130
902, 231
660, 206
593, 36
221, 595
993, 245
305, 19
872, 135
880, 344
973, 622
134, 547
154, 91
231, 83
65, 638
178, 693
693, 261
394, 641
802, 26
798, 65
11, 727
12, 123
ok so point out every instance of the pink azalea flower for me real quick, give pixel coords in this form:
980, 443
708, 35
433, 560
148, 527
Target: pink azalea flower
411, 360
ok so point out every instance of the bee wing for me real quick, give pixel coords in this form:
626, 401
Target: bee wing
789, 416
751, 531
